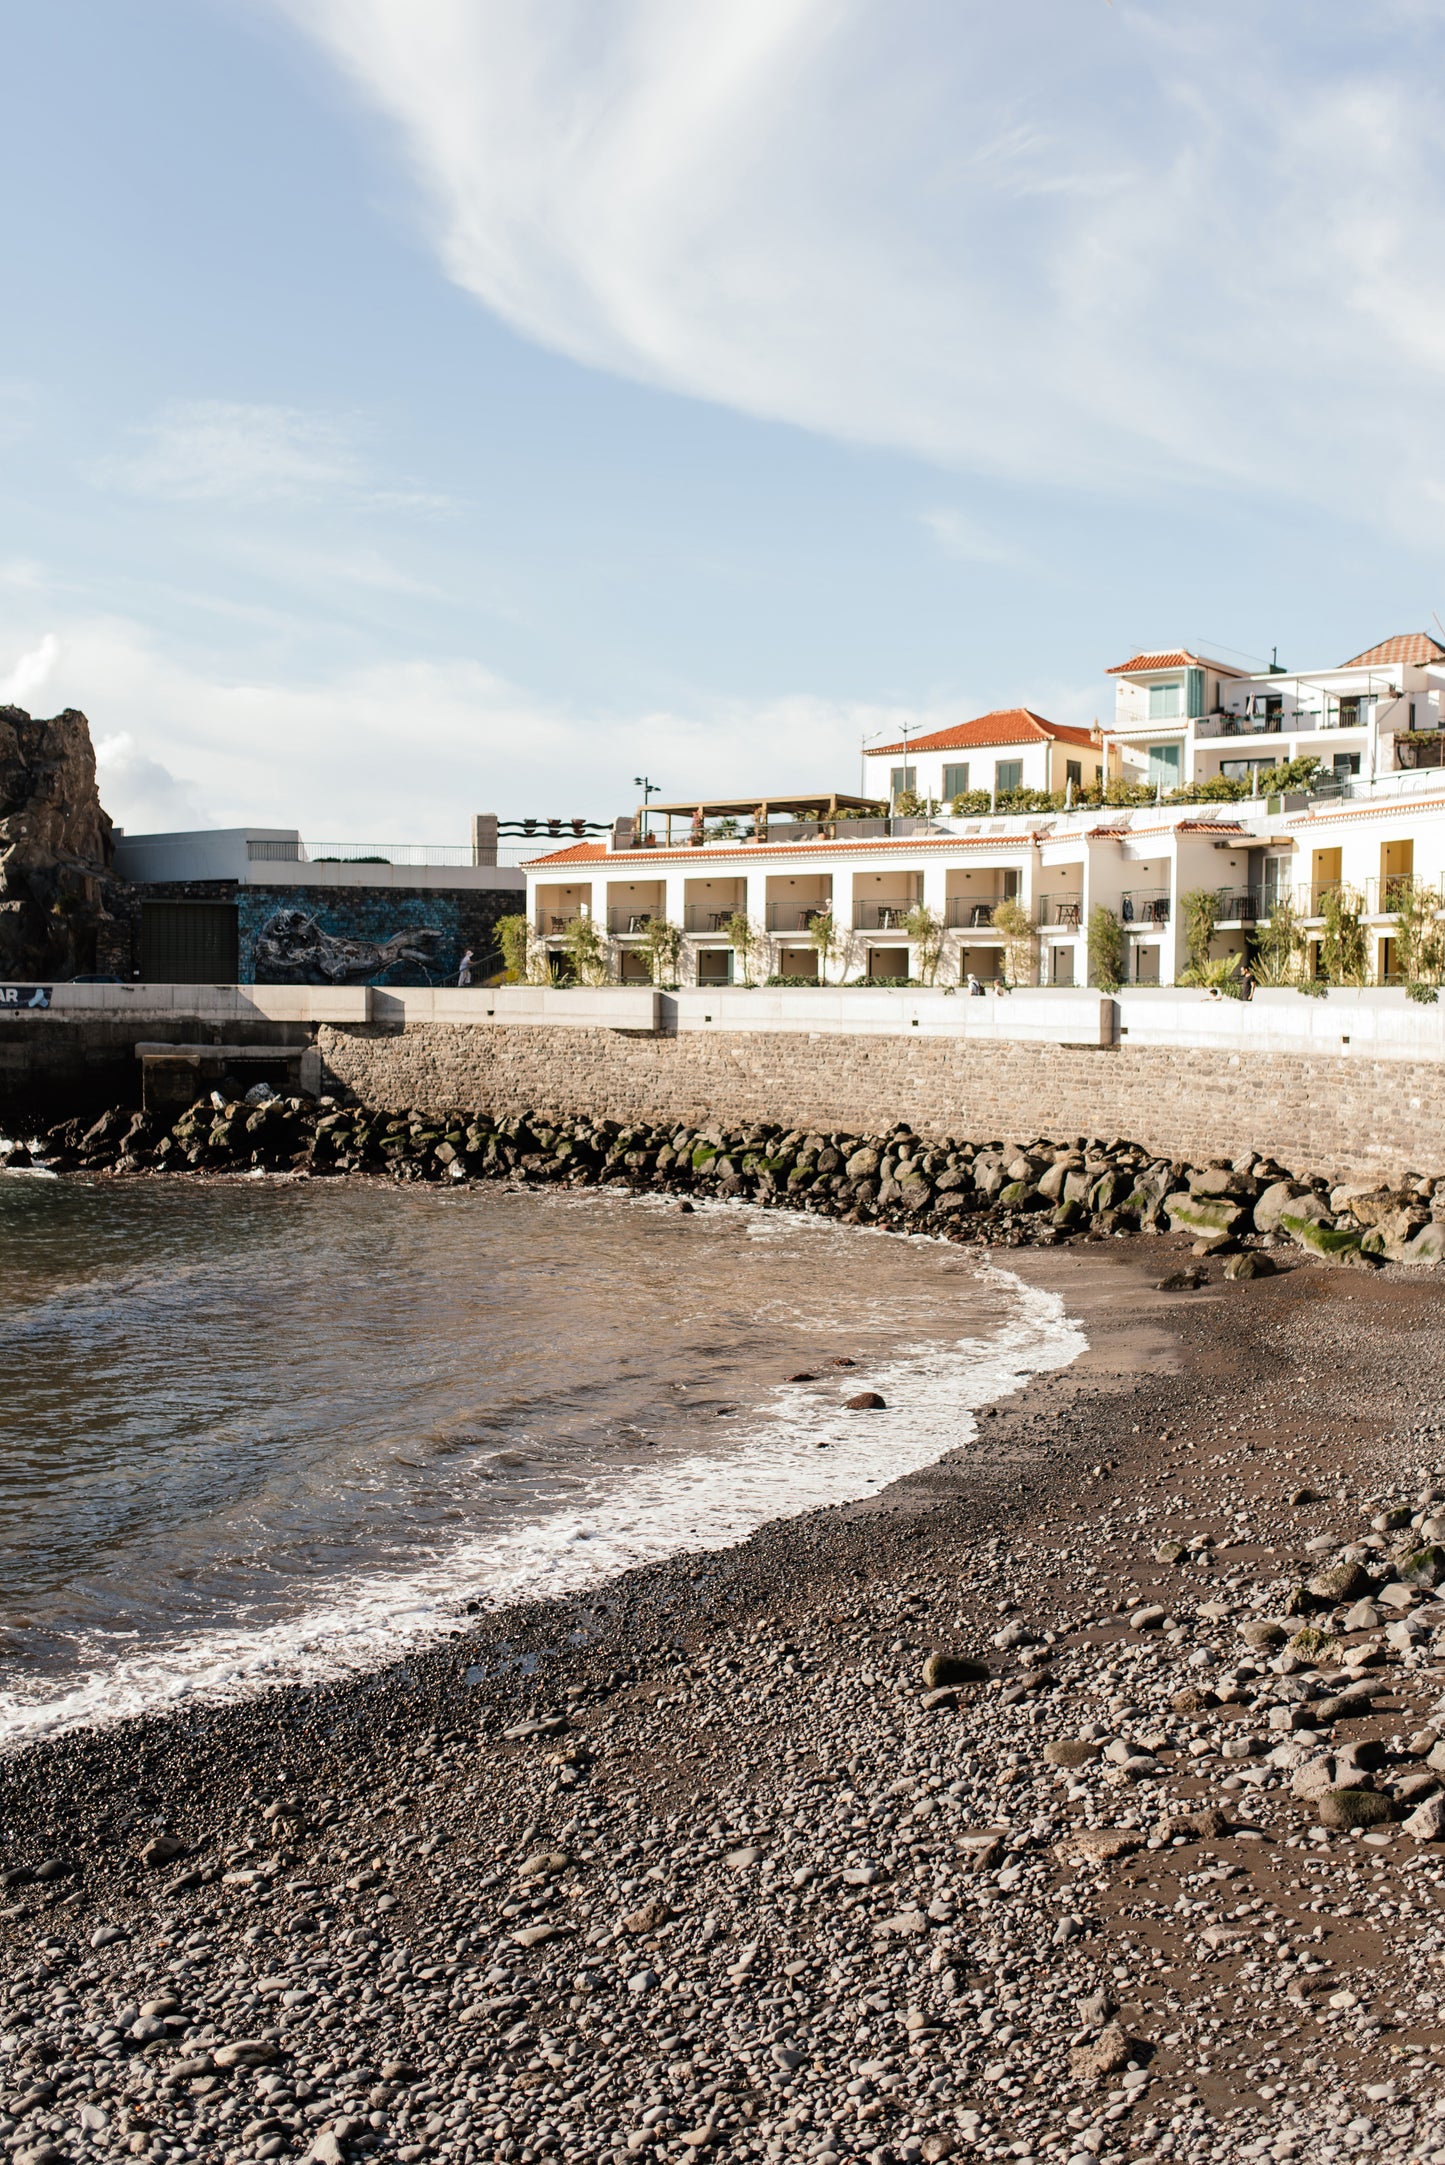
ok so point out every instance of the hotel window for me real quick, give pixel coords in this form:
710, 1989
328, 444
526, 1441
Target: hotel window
902, 778
1074, 772
1008, 774
1166, 701
1350, 714
955, 780
1164, 765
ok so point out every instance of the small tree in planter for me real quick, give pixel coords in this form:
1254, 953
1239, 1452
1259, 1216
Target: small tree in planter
1419, 942
514, 937
823, 938
586, 950
741, 935
1106, 949
1279, 949
662, 944
1344, 942
1201, 919
925, 928
1018, 929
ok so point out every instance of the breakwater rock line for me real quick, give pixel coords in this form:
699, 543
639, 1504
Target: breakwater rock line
1042, 1193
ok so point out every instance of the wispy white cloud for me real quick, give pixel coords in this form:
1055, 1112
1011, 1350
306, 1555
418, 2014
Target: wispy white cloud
962, 538
1195, 244
406, 750
212, 451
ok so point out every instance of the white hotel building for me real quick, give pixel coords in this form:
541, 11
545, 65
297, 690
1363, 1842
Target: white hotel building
1373, 821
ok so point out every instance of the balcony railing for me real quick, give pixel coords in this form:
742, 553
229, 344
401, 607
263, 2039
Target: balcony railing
884, 916
1145, 906
1240, 906
1064, 911
971, 913
557, 920
1385, 894
1239, 725
708, 916
795, 916
629, 917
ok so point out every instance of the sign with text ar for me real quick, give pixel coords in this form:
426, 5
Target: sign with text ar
17, 996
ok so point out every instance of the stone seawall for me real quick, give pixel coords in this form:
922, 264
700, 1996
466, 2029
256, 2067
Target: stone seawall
1345, 1115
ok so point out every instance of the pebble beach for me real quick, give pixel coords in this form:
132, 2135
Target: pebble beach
1073, 1799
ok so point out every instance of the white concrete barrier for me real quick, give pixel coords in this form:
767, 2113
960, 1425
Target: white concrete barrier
577, 1007
1377, 1022
1022, 1017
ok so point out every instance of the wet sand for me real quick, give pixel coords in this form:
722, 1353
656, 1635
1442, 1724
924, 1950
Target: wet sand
692, 1866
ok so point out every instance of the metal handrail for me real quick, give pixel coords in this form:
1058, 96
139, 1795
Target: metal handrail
970, 913
795, 916
884, 916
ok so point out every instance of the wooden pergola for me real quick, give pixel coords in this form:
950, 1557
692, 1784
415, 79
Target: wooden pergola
822, 807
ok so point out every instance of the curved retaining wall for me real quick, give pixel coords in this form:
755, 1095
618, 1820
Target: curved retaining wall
1317, 1112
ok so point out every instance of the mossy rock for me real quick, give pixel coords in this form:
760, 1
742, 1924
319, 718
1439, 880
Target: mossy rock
1207, 1217
1426, 1567
1330, 1243
703, 1156
1345, 1809
943, 1669
1312, 1644
1068, 1216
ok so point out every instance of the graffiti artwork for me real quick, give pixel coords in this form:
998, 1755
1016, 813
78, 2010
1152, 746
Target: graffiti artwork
292, 948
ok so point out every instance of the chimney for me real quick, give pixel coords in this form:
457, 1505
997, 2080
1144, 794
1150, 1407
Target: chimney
484, 838
624, 833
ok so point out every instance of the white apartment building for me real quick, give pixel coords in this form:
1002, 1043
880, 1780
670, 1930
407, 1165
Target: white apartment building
1010, 749
827, 886
1184, 717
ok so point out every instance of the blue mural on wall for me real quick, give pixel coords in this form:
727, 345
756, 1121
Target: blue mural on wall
347, 936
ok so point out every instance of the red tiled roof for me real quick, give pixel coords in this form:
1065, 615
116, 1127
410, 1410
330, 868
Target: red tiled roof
1006, 725
579, 853
1406, 646
1175, 658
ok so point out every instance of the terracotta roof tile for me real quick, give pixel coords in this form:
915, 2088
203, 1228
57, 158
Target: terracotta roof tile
1406, 647
1172, 658
579, 853
1006, 725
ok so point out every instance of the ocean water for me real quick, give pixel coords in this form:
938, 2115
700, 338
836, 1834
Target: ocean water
256, 1431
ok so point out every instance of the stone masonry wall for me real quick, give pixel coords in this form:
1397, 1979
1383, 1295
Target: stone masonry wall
1342, 1115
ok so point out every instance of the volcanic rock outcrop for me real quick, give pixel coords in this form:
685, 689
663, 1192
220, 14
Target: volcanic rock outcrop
55, 847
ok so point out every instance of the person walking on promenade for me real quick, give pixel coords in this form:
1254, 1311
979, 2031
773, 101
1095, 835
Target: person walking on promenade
464, 974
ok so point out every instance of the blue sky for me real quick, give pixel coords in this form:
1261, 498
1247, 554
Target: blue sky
411, 407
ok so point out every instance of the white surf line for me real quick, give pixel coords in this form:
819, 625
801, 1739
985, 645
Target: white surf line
799, 1457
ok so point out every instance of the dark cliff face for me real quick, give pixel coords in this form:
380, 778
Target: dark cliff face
55, 846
